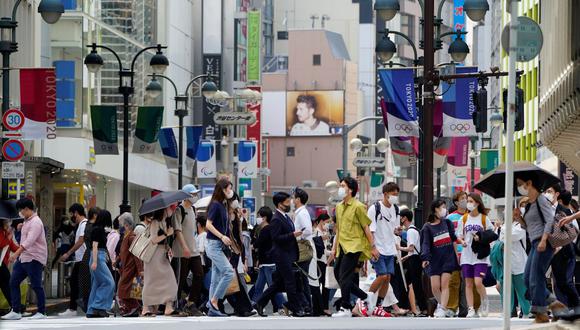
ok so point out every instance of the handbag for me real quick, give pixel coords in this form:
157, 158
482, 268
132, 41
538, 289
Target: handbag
136, 288
559, 236
142, 247
319, 246
234, 286
330, 281
305, 252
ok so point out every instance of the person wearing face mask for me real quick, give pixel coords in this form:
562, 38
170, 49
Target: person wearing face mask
539, 219
218, 242
186, 256
438, 254
131, 267
7, 245
322, 234
284, 254
354, 244
385, 219
457, 304
267, 267
77, 215
474, 269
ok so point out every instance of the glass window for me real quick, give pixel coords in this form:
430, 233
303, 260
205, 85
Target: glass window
316, 60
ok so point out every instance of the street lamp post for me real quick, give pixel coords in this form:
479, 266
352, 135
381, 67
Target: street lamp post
356, 145
386, 10
158, 64
345, 130
154, 89
50, 10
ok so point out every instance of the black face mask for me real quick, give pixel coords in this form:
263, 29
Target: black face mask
286, 208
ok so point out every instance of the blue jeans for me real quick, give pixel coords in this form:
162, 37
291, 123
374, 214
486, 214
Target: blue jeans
265, 277
535, 276
102, 284
32, 270
222, 272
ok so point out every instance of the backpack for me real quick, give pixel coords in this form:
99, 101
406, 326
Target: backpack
483, 220
378, 211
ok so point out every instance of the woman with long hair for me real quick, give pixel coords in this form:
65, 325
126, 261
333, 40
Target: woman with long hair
159, 288
218, 243
438, 254
473, 268
102, 283
84, 284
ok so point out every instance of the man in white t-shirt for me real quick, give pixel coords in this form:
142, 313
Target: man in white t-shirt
385, 219
78, 217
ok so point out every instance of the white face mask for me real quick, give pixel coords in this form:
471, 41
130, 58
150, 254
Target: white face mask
523, 210
462, 204
193, 199
21, 215
522, 190
341, 193
470, 206
442, 213
292, 204
229, 194
393, 199
259, 221
235, 205
549, 196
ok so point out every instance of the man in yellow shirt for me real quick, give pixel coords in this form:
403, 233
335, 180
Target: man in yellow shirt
353, 243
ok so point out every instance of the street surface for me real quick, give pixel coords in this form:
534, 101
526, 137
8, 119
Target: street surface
259, 323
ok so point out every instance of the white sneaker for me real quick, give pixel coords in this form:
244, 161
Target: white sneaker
343, 312
38, 316
484, 308
12, 316
68, 313
449, 313
439, 312
471, 314
371, 301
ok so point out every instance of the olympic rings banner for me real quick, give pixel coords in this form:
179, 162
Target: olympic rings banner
399, 95
458, 105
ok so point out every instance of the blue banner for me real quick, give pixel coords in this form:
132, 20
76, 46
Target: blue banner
458, 16
399, 95
458, 105
206, 162
168, 147
193, 134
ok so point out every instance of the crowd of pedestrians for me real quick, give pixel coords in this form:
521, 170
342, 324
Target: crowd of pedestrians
179, 261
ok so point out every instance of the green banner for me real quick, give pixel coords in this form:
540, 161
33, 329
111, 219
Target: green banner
104, 122
149, 121
254, 41
489, 160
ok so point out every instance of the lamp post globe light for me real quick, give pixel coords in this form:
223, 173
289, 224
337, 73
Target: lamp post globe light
458, 50
94, 62
496, 119
50, 10
154, 89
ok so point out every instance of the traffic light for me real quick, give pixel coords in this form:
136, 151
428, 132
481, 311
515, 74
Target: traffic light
480, 113
519, 115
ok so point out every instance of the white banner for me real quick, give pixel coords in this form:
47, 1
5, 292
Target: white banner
247, 160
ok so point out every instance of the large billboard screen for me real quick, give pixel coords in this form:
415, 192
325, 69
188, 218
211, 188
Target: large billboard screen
314, 113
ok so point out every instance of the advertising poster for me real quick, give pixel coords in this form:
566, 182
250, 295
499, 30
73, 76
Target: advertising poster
314, 113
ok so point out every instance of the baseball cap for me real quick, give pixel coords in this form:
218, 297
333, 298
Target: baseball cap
190, 189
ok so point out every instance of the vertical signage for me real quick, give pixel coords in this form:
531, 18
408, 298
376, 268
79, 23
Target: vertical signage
569, 179
253, 50
458, 16
254, 131
38, 103
212, 64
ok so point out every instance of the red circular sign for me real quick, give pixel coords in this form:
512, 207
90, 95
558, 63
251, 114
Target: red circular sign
13, 150
13, 119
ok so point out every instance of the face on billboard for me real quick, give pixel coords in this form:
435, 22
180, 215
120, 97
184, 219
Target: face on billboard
314, 113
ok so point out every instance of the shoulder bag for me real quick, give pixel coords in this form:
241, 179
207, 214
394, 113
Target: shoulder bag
142, 247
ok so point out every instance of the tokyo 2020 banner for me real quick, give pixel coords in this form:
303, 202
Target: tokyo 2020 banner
399, 95
458, 105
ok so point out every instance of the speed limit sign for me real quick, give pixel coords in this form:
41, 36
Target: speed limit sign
13, 119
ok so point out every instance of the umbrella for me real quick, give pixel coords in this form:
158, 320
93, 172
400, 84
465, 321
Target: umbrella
202, 203
493, 183
8, 209
162, 201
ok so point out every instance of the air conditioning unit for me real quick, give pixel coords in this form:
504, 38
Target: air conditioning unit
309, 183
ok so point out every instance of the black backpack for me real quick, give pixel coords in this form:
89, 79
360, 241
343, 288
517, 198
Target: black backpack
378, 211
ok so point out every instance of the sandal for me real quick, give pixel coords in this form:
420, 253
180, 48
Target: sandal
149, 314
176, 313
